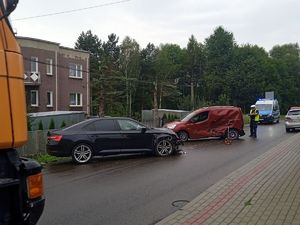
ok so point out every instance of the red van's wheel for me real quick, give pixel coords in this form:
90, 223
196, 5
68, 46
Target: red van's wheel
184, 136
233, 134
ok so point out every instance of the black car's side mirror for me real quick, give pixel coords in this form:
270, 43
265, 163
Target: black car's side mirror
143, 130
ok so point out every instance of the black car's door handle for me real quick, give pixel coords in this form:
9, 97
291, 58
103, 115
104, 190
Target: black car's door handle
93, 136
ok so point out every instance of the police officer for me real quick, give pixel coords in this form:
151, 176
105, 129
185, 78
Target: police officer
254, 119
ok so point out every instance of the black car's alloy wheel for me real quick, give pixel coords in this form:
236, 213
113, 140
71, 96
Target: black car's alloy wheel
82, 153
164, 147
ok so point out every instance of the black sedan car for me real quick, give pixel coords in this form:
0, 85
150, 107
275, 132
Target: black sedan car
110, 136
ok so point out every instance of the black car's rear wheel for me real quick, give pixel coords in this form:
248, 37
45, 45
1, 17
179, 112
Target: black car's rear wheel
82, 153
164, 147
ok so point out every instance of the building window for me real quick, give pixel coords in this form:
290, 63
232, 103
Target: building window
49, 66
49, 99
75, 70
75, 99
34, 98
34, 65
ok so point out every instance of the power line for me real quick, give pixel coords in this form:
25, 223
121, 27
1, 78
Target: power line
110, 78
73, 10
92, 73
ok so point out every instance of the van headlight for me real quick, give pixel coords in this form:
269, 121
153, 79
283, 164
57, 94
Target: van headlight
171, 126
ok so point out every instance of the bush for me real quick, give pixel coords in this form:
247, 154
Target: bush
51, 125
63, 124
41, 127
29, 123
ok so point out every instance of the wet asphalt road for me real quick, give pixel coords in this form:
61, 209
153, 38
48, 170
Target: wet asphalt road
141, 190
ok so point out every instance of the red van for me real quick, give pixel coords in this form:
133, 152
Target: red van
214, 121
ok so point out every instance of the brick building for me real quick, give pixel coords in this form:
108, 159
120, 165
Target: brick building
56, 78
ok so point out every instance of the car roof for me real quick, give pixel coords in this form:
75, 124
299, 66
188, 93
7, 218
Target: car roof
294, 108
87, 121
217, 108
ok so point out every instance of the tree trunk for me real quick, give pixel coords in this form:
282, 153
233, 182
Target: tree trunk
130, 102
127, 95
101, 98
155, 106
192, 95
160, 96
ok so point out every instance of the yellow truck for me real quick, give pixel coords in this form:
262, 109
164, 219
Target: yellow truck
21, 181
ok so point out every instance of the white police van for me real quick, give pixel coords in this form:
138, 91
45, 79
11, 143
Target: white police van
268, 110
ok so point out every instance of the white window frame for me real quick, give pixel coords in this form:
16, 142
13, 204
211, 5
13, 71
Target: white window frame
49, 63
77, 95
77, 70
51, 98
36, 98
35, 60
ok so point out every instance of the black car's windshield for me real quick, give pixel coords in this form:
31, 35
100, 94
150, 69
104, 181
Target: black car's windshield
264, 107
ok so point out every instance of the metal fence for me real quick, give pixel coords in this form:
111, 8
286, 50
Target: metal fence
36, 144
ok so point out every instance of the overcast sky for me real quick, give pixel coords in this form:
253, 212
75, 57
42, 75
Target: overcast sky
262, 22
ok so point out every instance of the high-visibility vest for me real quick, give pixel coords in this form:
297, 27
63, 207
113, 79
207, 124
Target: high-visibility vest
254, 112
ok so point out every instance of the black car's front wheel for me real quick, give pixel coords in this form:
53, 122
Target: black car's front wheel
82, 153
164, 147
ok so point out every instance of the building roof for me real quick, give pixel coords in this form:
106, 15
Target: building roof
38, 40
51, 43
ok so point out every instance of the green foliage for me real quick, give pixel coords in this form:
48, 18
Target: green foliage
40, 125
219, 50
63, 124
52, 124
287, 64
184, 103
130, 67
91, 43
169, 118
29, 123
45, 158
126, 79
223, 100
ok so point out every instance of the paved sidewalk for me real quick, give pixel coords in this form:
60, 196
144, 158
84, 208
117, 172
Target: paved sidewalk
266, 191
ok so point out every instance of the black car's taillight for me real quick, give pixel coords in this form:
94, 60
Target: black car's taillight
55, 138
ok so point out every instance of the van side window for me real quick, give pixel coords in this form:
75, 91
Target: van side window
200, 117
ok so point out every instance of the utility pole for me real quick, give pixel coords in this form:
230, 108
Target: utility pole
101, 94
155, 105
192, 95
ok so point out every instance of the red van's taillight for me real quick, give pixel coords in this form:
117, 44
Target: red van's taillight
55, 138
